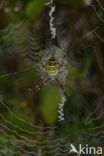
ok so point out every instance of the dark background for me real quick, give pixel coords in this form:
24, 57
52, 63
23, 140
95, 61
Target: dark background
81, 28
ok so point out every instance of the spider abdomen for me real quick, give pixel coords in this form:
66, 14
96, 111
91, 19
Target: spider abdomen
52, 69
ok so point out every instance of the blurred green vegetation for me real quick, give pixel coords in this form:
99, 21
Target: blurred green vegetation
84, 85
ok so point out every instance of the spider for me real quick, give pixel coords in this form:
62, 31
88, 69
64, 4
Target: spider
53, 66
51, 59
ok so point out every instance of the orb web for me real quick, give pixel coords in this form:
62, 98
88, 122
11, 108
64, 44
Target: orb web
92, 119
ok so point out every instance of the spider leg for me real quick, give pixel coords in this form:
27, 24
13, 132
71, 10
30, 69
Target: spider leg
43, 82
60, 84
39, 86
60, 71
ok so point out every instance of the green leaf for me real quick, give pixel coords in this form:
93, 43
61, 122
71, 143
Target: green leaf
50, 100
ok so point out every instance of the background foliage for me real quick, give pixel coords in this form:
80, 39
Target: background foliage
23, 27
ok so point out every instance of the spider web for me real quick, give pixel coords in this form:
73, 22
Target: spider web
13, 41
52, 147
97, 115
27, 145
